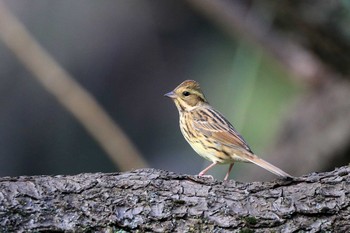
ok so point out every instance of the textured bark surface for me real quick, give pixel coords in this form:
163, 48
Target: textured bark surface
149, 200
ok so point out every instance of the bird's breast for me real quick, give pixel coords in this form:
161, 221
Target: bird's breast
203, 145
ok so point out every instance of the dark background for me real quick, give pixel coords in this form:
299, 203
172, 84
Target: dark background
127, 54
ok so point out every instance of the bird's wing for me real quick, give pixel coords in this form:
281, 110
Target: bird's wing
212, 124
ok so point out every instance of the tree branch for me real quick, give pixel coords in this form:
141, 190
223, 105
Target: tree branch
68, 92
160, 201
239, 20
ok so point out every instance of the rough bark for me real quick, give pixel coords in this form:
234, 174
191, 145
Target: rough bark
149, 200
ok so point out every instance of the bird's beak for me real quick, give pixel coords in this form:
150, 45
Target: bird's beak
171, 95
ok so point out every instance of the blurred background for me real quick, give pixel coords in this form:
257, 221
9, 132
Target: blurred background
278, 70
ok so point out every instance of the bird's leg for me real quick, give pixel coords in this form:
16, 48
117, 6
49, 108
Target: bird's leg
229, 170
202, 173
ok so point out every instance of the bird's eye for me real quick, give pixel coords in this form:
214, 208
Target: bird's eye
186, 93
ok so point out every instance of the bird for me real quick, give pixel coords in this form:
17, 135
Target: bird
210, 134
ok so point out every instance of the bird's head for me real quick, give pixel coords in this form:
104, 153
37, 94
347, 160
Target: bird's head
187, 95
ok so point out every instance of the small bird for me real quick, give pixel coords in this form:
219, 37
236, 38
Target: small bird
210, 134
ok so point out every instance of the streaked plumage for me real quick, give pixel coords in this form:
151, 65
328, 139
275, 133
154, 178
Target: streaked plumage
209, 133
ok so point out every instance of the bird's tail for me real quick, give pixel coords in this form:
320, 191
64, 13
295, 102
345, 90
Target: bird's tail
268, 166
